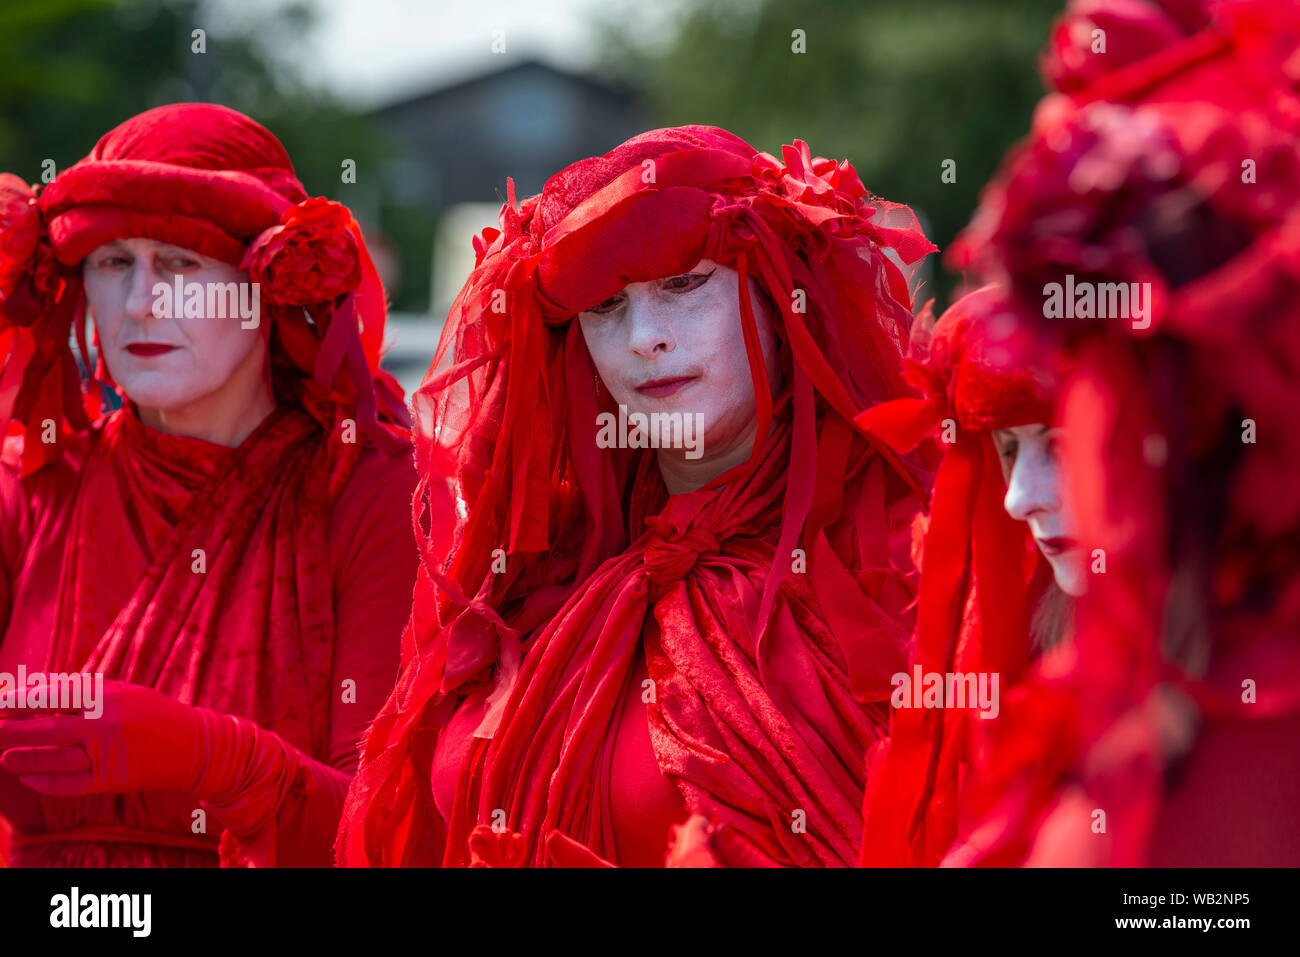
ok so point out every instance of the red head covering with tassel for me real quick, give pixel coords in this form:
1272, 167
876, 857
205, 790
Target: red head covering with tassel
973, 377
211, 180
506, 414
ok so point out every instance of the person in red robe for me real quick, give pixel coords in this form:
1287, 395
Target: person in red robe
622, 640
1170, 734
229, 555
997, 565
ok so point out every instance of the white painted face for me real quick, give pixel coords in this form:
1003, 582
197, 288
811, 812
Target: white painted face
1029, 454
677, 345
165, 363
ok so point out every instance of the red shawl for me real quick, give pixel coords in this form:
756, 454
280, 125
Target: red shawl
756, 668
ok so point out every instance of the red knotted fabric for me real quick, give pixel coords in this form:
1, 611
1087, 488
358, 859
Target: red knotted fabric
249, 581
976, 568
746, 599
1157, 717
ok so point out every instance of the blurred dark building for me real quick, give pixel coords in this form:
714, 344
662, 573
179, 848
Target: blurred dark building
527, 120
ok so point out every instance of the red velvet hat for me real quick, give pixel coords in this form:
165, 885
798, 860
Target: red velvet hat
206, 178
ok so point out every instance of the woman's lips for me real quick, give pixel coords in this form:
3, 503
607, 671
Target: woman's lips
148, 348
659, 388
1056, 546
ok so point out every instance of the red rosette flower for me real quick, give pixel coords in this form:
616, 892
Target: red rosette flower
24, 260
310, 257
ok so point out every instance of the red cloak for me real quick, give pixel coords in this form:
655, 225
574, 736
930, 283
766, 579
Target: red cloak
1169, 734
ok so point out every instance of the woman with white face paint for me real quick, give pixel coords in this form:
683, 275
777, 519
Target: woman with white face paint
222, 557
1030, 458
991, 601
631, 635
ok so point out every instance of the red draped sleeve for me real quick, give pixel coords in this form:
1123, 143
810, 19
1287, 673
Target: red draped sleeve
373, 573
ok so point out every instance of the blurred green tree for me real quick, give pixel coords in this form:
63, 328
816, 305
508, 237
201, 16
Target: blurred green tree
70, 70
895, 86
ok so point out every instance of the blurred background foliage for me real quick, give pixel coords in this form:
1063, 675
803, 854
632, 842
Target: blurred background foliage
71, 70
895, 86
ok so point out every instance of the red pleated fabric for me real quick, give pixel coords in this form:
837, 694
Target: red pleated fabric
257, 517
748, 596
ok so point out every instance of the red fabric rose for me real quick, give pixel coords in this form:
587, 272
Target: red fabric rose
20, 232
310, 257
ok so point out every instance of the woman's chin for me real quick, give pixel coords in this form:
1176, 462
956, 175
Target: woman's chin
1068, 570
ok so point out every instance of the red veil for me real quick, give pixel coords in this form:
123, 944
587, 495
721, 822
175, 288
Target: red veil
756, 668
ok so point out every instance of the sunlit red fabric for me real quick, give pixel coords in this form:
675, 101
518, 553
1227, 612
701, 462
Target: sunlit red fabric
750, 661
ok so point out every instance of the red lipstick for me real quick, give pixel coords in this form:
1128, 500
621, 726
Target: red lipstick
661, 388
1055, 546
148, 348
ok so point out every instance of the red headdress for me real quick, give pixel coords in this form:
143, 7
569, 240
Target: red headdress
973, 377
209, 179
1239, 54
1198, 520
507, 410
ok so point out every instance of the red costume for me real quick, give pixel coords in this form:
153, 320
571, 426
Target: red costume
1171, 735
645, 657
244, 604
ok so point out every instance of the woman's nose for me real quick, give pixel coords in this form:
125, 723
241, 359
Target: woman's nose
141, 296
650, 332
1031, 489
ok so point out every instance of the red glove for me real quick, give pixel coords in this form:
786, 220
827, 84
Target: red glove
147, 741
142, 741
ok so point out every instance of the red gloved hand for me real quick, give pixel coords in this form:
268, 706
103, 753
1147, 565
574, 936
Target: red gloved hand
142, 741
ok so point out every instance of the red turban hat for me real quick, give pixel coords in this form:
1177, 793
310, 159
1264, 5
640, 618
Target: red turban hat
205, 178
